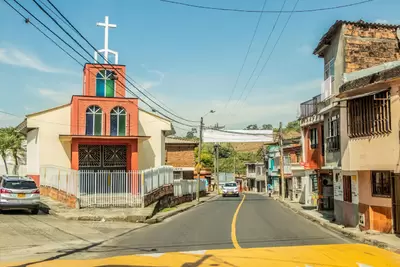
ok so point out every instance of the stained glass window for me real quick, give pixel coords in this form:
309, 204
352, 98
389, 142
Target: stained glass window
94, 117
118, 121
105, 83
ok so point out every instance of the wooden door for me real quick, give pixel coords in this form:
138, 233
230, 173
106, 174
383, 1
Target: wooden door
396, 203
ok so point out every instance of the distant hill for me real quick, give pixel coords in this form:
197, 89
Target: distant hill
247, 147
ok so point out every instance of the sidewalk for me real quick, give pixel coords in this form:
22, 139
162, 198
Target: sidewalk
136, 215
386, 241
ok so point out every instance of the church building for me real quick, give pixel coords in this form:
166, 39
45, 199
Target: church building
101, 129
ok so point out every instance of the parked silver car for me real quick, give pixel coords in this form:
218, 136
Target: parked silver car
18, 192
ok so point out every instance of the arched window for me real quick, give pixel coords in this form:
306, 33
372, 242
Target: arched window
94, 119
105, 83
118, 121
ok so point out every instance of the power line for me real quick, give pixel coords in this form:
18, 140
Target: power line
272, 51
247, 54
68, 22
127, 77
42, 32
262, 53
265, 11
58, 123
26, 19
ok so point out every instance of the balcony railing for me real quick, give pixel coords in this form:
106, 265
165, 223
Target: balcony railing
309, 107
326, 88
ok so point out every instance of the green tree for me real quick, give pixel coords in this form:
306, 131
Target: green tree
267, 127
190, 135
251, 127
11, 143
293, 126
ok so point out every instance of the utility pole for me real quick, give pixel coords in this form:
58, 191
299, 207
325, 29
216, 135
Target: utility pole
199, 160
217, 166
281, 163
234, 164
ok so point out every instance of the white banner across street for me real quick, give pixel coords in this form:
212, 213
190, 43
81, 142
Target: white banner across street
237, 136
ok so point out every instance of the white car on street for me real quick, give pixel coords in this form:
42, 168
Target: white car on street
230, 189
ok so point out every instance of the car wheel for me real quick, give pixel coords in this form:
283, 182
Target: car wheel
35, 211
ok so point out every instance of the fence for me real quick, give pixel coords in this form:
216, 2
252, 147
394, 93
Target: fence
106, 188
187, 187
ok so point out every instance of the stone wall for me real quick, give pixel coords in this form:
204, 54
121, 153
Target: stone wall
367, 46
158, 194
69, 200
169, 201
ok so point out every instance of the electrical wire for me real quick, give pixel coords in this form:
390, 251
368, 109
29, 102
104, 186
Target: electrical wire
265, 11
127, 77
86, 60
272, 51
124, 77
42, 32
92, 46
247, 54
261, 55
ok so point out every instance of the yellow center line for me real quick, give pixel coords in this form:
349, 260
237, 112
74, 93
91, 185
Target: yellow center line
233, 227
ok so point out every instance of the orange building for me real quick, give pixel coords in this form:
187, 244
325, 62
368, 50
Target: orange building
101, 129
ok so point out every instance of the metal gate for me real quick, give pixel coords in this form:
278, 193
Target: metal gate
102, 157
396, 202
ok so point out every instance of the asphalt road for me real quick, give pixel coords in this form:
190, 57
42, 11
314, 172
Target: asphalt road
260, 222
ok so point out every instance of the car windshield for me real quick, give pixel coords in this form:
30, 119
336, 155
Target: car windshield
230, 184
20, 184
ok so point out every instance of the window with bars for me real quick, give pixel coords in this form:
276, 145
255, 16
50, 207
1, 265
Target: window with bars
381, 183
347, 188
369, 115
333, 137
313, 138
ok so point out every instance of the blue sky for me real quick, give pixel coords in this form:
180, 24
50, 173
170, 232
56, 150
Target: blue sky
187, 58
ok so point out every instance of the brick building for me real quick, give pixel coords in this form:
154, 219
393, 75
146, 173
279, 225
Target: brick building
180, 155
350, 49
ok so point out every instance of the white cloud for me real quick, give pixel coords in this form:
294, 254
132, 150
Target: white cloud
15, 57
148, 84
60, 96
385, 21
305, 49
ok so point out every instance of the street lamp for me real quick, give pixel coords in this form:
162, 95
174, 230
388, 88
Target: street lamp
199, 155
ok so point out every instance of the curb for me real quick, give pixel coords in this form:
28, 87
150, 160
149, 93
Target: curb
339, 229
127, 218
175, 212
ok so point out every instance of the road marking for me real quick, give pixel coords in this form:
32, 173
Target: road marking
233, 227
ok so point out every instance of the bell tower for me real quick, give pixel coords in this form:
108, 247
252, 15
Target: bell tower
105, 77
